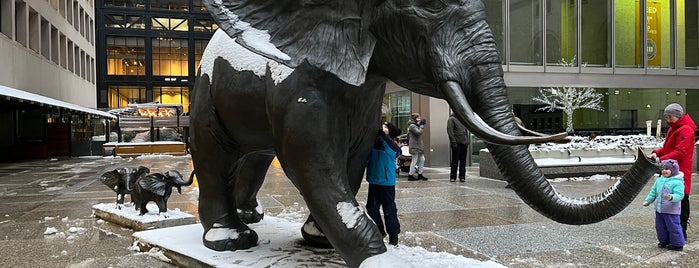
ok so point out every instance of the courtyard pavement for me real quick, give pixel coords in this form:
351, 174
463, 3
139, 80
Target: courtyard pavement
479, 219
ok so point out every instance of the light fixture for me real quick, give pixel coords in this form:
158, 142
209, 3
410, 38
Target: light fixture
678, 92
648, 106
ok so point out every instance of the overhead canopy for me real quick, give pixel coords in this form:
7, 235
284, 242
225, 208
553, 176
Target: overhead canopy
20, 95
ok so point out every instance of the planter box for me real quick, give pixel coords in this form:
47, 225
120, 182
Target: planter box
570, 162
127, 149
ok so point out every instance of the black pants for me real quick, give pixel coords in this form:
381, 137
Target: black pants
458, 159
684, 215
383, 197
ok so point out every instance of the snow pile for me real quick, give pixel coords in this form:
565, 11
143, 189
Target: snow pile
601, 143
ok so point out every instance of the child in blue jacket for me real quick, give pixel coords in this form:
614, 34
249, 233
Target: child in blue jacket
667, 192
381, 175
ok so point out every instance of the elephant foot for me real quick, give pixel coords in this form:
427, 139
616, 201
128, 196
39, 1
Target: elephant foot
221, 239
314, 235
250, 215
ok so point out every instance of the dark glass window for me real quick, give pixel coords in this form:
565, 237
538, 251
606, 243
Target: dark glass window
125, 3
124, 22
170, 4
197, 5
172, 95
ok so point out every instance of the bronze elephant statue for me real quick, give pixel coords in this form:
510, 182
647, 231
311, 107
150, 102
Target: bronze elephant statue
304, 81
122, 180
158, 188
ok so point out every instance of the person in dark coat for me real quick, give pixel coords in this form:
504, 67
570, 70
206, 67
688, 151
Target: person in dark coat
679, 145
459, 139
381, 175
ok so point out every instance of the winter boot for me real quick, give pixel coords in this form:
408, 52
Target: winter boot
420, 177
393, 240
412, 178
675, 248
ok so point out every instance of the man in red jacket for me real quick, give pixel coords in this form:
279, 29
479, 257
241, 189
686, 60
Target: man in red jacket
679, 145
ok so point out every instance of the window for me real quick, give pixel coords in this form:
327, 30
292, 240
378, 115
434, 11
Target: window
688, 34
204, 25
169, 24
170, 4
71, 56
125, 56
595, 50
63, 47
199, 46
33, 30
124, 22
125, 3
658, 34
525, 32
561, 32
21, 23
172, 95
628, 30
170, 57
55, 45
495, 19
45, 39
6, 17
198, 6
121, 96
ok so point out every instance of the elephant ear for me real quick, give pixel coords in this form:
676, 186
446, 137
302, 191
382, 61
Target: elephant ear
154, 183
111, 179
330, 34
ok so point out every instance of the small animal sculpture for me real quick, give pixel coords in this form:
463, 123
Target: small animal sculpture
122, 180
157, 187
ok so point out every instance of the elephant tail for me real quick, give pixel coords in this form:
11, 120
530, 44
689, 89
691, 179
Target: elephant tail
190, 181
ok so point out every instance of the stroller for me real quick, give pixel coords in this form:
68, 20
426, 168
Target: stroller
404, 159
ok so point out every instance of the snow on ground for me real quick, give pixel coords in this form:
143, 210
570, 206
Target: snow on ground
281, 245
601, 142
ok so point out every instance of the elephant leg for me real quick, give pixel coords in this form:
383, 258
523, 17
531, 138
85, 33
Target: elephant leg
313, 234
142, 207
249, 179
162, 204
215, 168
315, 156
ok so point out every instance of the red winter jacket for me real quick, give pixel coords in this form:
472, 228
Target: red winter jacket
679, 145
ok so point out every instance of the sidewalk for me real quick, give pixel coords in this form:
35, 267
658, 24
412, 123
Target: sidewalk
478, 219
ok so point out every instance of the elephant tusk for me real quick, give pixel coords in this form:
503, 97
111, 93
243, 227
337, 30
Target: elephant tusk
463, 111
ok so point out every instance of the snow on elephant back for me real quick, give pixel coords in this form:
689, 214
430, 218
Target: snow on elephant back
304, 81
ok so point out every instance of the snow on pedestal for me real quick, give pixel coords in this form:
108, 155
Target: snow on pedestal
127, 216
280, 245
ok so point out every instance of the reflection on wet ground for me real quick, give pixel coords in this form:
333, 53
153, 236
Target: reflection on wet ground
478, 218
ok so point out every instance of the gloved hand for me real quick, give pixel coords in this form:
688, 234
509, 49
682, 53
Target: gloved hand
646, 203
668, 197
423, 122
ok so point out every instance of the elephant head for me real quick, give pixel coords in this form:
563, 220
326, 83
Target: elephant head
158, 187
122, 180
439, 48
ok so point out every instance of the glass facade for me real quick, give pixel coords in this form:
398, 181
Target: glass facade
151, 53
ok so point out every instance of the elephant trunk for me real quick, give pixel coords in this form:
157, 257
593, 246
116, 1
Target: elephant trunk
489, 98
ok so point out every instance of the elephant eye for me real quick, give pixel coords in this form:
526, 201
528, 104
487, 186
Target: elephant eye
433, 6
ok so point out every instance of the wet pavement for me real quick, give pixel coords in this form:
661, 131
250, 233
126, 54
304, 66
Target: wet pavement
478, 219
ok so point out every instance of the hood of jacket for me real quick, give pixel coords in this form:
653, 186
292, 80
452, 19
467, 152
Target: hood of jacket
685, 120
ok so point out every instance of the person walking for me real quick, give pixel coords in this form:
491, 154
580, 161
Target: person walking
417, 149
679, 145
381, 175
459, 139
667, 192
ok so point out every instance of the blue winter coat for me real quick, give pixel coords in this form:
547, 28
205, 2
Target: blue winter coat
663, 186
381, 165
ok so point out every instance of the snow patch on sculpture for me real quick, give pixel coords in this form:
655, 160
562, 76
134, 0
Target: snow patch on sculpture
240, 59
349, 213
257, 39
216, 234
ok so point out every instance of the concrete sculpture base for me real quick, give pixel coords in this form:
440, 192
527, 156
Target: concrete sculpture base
128, 217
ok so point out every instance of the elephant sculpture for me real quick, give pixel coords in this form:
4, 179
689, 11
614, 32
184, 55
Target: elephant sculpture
304, 81
158, 188
122, 180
